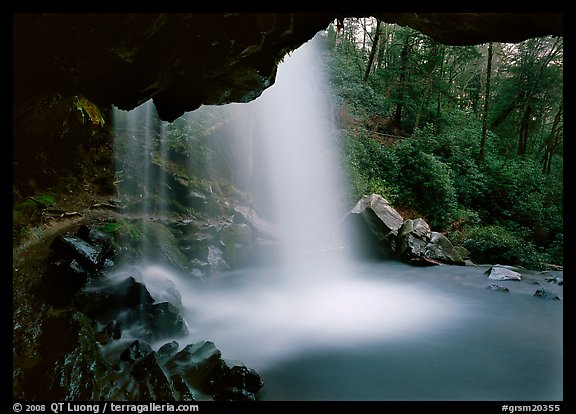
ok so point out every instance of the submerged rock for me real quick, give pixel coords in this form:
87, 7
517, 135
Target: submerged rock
498, 288
546, 294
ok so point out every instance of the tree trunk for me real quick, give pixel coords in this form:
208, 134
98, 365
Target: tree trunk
382, 49
524, 131
339, 30
439, 91
428, 92
552, 141
401, 81
486, 105
372, 52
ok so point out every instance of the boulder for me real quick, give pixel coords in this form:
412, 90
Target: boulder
373, 226
202, 367
86, 255
441, 249
158, 321
163, 246
153, 384
105, 303
238, 244
413, 238
502, 273
379, 215
261, 228
136, 351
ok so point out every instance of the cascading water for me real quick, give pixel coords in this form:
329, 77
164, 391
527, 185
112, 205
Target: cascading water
319, 326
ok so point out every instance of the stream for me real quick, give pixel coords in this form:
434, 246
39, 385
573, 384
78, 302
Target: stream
382, 331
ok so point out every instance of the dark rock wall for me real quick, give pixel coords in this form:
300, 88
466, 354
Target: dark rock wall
185, 60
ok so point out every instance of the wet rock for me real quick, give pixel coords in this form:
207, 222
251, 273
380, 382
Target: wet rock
261, 227
61, 281
216, 259
135, 351
181, 390
202, 367
167, 351
441, 249
195, 363
159, 320
104, 304
463, 252
70, 366
557, 280
379, 215
96, 238
163, 245
111, 332
498, 288
236, 233
85, 254
151, 379
373, 226
238, 244
413, 238
424, 261
546, 294
237, 382
502, 273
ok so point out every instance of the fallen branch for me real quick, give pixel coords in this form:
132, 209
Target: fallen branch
105, 206
71, 214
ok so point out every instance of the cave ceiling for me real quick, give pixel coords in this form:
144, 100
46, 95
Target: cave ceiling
185, 60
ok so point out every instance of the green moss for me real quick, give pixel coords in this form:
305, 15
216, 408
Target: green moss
87, 107
32, 207
45, 199
122, 229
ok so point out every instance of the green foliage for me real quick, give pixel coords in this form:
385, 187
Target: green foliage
372, 168
363, 99
426, 183
516, 191
555, 253
29, 212
504, 207
496, 244
33, 205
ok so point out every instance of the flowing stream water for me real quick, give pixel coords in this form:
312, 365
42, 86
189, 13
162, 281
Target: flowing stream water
322, 326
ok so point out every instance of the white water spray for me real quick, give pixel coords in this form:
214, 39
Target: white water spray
294, 121
316, 297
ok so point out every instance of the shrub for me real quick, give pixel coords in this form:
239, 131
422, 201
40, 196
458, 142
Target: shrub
496, 244
426, 183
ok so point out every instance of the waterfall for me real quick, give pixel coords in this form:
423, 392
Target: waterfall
319, 325
295, 128
295, 180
